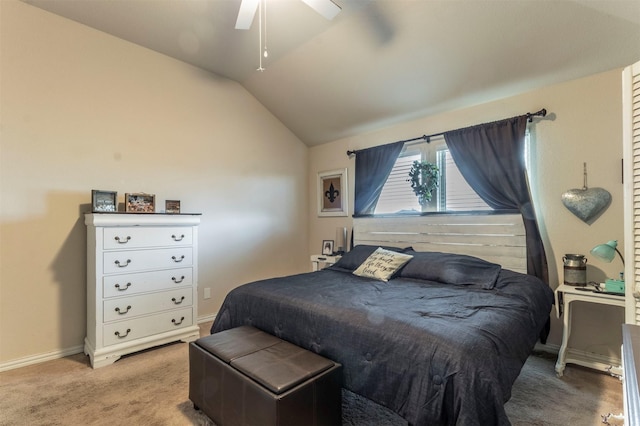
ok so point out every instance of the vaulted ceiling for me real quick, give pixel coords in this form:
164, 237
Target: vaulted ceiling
379, 62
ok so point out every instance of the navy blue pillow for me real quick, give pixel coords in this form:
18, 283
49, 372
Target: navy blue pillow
451, 268
351, 260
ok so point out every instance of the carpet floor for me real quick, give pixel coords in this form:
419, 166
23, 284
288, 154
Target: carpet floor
151, 388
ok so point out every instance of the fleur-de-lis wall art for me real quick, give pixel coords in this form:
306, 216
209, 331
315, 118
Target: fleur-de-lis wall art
332, 193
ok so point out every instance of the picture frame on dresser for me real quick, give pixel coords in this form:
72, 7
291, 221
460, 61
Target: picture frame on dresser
172, 206
139, 202
104, 201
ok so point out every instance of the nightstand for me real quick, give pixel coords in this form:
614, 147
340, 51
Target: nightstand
565, 295
326, 260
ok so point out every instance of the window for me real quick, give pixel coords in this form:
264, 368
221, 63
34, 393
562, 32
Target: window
397, 195
453, 194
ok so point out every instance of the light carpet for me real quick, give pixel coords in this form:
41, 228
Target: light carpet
151, 388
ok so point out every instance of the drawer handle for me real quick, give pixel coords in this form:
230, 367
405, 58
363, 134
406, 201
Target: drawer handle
177, 323
125, 241
175, 280
122, 313
175, 259
125, 287
117, 333
180, 238
117, 262
177, 302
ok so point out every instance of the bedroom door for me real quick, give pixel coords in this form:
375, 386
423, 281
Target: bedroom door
631, 149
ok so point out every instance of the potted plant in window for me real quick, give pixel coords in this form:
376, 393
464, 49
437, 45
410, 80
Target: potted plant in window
424, 179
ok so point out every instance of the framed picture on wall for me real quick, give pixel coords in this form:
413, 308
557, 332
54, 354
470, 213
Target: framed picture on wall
139, 203
332, 193
104, 201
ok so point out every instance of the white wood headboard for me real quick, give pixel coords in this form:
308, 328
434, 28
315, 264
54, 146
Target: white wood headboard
497, 238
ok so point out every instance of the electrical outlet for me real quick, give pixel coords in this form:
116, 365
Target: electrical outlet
207, 292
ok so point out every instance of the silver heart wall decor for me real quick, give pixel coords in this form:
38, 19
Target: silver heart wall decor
586, 203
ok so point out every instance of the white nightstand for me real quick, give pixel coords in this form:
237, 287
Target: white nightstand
317, 259
566, 294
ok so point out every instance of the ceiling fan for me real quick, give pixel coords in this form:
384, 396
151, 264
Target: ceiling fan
248, 8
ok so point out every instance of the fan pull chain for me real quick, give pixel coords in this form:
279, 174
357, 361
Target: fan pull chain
265, 53
263, 16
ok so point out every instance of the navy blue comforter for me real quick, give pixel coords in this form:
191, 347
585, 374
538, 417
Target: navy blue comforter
435, 353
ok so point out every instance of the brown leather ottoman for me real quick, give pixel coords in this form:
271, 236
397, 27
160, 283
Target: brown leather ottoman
245, 376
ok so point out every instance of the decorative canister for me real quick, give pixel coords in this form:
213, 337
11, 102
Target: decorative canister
575, 269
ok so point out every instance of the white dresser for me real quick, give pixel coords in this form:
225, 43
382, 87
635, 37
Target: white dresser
142, 280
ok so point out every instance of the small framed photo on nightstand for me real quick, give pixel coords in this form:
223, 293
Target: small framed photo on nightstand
104, 201
172, 206
327, 247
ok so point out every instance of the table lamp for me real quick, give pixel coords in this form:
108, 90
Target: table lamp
341, 241
607, 252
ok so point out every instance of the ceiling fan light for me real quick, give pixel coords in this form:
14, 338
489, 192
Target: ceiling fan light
326, 8
246, 14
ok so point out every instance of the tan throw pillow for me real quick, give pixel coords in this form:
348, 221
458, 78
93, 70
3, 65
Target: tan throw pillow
382, 264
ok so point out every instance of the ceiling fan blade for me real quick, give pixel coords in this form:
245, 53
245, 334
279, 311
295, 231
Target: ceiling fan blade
245, 15
326, 8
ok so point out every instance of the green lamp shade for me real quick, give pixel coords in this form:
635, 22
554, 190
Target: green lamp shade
605, 251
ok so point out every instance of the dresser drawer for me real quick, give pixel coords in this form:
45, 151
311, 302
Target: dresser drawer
136, 328
143, 304
119, 238
140, 260
127, 284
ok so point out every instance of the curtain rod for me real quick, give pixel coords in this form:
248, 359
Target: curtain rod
427, 138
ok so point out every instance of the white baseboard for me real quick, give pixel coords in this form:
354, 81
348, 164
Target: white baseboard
50, 356
36, 359
586, 359
547, 347
208, 318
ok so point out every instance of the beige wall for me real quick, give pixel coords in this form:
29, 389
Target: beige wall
82, 110
583, 124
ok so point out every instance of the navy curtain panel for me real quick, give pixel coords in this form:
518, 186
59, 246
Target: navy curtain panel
491, 159
373, 166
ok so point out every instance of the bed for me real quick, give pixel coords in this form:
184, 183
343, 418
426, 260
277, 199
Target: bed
440, 342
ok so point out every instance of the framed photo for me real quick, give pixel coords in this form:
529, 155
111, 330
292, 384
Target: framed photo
104, 201
332, 193
327, 247
172, 206
139, 203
